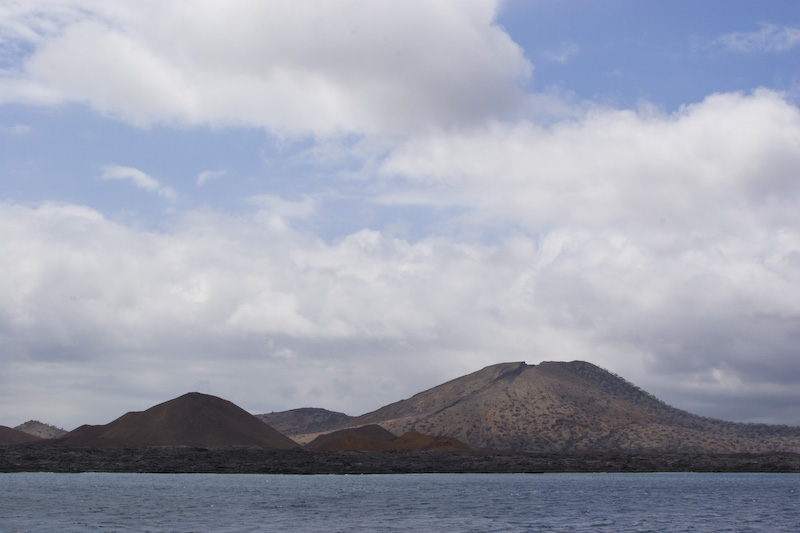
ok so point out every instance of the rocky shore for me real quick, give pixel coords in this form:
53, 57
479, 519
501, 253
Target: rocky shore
260, 460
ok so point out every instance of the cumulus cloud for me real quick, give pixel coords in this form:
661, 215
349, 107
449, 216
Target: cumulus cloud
239, 301
697, 170
769, 38
291, 67
138, 178
663, 247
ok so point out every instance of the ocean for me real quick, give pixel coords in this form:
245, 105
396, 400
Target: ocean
43, 502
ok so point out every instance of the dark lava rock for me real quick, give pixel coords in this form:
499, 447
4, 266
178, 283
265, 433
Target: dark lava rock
261, 460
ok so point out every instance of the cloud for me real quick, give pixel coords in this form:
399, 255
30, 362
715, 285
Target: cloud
290, 67
665, 247
697, 169
17, 130
563, 53
139, 179
207, 175
769, 38
238, 301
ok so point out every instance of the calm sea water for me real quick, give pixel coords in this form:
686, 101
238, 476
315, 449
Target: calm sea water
435, 502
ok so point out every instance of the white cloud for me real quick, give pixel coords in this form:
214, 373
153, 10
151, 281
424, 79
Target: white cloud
291, 67
17, 130
768, 38
138, 178
208, 175
237, 301
277, 214
666, 248
697, 170
562, 53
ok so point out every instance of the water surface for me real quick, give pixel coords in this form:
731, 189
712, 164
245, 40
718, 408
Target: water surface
424, 502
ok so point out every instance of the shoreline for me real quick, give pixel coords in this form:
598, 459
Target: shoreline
258, 460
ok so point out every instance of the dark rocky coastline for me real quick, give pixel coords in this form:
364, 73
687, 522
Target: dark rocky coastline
260, 460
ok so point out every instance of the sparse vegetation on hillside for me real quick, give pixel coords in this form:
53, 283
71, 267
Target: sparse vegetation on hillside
41, 430
566, 407
304, 420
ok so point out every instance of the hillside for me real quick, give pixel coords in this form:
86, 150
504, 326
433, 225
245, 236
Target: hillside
373, 438
41, 430
304, 420
567, 407
193, 419
14, 436
371, 435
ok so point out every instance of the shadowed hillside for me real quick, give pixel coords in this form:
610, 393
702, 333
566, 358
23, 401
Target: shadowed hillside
567, 407
373, 438
369, 437
14, 436
193, 419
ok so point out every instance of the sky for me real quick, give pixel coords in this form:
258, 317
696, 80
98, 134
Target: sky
340, 204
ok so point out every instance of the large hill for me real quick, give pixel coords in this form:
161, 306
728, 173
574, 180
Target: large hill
193, 419
565, 407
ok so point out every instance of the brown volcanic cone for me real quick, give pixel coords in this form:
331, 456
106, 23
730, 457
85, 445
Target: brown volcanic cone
374, 438
369, 437
193, 419
14, 436
563, 407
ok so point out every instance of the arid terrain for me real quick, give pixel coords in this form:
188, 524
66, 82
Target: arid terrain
558, 407
41, 430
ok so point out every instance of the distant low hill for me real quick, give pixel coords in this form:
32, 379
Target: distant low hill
41, 430
193, 419
14, 436
557, 407
304, 420
373, 438
345, 439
